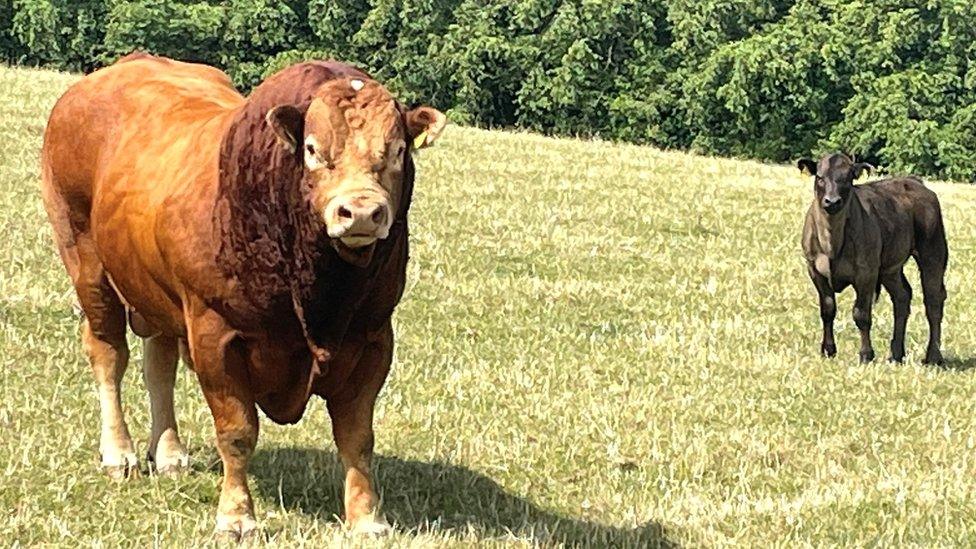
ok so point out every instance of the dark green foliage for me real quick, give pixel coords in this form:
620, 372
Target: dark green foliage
892, 81
192, 31
64, 33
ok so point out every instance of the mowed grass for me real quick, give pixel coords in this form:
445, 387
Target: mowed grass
599, 345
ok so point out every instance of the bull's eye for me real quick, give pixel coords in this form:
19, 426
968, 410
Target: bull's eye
313, 160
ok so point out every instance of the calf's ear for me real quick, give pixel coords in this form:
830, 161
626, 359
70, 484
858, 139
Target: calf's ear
288, 125
424, 126
806, 165
862, 167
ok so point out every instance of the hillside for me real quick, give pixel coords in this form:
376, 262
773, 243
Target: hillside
599, 344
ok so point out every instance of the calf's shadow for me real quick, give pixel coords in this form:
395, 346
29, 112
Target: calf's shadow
958, 364
419, 495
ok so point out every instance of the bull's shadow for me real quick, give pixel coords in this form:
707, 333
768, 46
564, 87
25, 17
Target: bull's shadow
417, 495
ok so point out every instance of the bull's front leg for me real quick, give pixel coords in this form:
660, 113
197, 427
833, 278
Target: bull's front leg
221, 369
866, 290
351, 412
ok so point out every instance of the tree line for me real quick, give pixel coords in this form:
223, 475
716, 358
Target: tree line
890, 81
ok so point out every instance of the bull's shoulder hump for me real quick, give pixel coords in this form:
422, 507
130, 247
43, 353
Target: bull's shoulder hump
308, 75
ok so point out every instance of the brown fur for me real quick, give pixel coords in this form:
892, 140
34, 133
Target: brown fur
864, 240
171, 195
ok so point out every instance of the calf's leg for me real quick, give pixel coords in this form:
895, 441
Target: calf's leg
934, 292
166, 451
862, 316
901, 300
351, 412
828, 310
220, 367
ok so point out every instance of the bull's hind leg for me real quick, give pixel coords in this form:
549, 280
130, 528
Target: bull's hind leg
103, 330
166, 451
901, 301
103, 338
352, 427
109, 357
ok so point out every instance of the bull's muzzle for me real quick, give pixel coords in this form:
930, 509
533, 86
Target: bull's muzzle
358, 220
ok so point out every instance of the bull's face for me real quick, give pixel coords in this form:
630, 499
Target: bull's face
354, 140
833, 179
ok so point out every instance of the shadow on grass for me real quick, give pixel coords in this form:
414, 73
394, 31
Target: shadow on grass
417, 495
958, 364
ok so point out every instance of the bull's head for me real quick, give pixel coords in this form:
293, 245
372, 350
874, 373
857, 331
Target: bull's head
355, 139
833, 179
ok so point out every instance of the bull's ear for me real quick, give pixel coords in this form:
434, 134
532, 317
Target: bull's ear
288, 125
860, 168
424, 126
807, 165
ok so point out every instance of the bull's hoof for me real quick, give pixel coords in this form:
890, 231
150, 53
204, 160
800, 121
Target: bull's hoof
934, 357
371, 526
236, 528
169, 466
121, 468
828, 350
867, 356
896, 359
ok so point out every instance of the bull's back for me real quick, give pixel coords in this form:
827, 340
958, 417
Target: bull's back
133, 103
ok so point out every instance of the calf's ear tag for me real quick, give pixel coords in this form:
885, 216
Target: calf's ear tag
420, 140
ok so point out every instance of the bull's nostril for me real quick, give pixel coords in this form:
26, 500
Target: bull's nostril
379, 215
344, 213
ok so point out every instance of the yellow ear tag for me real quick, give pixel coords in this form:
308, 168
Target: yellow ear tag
420, 140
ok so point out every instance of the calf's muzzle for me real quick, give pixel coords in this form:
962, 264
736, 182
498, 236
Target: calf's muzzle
832, 204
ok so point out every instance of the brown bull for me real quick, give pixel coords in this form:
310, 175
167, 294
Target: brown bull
862, 236
268, 234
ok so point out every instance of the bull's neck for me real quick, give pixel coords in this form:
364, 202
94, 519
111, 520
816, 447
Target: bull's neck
831, 229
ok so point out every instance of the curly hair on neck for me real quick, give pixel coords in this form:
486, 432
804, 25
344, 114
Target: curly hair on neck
271, 241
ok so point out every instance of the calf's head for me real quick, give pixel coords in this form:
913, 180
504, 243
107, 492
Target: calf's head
833, 178
354, 139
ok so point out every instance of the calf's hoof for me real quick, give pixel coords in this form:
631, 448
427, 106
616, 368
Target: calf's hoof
371, 526
121, 468
828, 350
237, 528
896, 359
867, 356
934, 357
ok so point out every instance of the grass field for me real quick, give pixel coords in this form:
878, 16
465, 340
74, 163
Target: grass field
600, 345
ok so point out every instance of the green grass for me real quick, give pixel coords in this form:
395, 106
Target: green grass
600, 344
